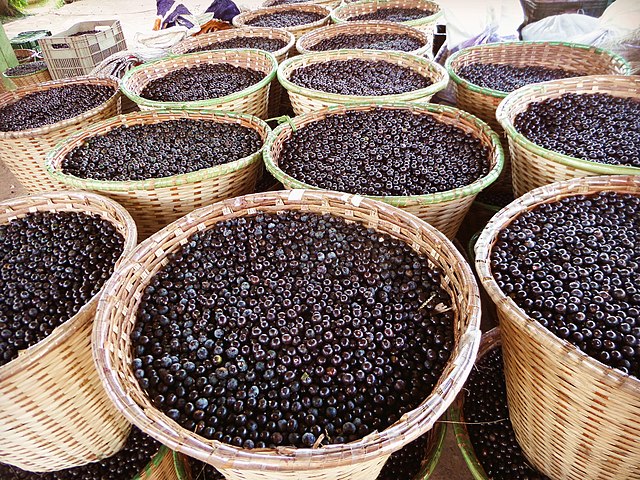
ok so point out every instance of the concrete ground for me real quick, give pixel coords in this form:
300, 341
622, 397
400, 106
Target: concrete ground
139, 17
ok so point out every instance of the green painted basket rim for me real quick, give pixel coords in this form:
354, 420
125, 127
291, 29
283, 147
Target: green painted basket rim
198, 103
178, 462
153, 463
397, 200
414, 95
503, 117
499, 93
412, 23
153, 183
4, 74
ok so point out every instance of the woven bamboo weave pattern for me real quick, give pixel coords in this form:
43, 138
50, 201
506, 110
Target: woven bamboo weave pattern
444, 210
252, 100
156, 202
54, 412
241, 20
358, 460
305, 100
161, 467
575, 418
483, 102
40, 76
534, 166
306, 43
24, 152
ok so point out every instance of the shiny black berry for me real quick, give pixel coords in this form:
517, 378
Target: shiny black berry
370, 41
261, 43
507, 78
285, 19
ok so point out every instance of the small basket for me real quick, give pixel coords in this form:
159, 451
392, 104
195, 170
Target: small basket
533, 165
25, 55
34, 78
54, 412
155, 202
161, 467
24, 151
483, 102
252, 100
275, 90
306, 43
490, 341
427, 24
359, 460
443, 210
305, 100
299, 30
574, 417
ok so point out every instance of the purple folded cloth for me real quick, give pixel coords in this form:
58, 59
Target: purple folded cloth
172, 14
223, 10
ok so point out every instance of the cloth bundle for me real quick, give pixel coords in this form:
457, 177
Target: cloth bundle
172, 14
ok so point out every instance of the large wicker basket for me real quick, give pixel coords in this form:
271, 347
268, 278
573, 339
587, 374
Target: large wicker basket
575, 418
443, 210
34, 78
533, 165
23, 152
360, 460
252, 100
324, 3
299, 30
156, 202
306, 43
54, 412
483, 102
305, 100
427, 24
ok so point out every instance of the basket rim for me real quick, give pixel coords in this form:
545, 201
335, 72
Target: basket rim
209, 102
78, 139
504, 118
547, 194
304, 459
343, 28
360, 54
238, 20
497, 45
198, 40
397, 200
336, 18
4, 74
108, 80
60, 334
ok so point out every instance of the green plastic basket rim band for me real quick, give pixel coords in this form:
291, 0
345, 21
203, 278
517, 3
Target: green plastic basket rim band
500, 94
283, 119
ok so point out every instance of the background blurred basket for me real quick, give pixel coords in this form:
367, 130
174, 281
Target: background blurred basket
299, 30
34, 78
275, 90
23, 152
306, 43
155, 202
304, 100
324, 3
574, 418
25, 55
360, 460
444, 210
54, 412
483, 102
252, 100
533, 165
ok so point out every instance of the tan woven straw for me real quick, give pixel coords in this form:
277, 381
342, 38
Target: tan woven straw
155, 202
360, 460
23, 152
252, 100
299, 30
34, 78
575, 418
306, 43
161, 467
444, 210
533, 165
54, 413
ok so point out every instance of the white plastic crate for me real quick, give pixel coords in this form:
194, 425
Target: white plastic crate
69, 56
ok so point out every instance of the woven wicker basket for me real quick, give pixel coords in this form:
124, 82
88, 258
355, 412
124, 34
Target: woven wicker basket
574, 418
275, 90
443, 210
534, 166
427, 24
252, 100
156, 202
306, 43
23, 152
54, 412
360, 460
161, 467
305, 100
34, 78
299, 30
330, 4
483, 102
